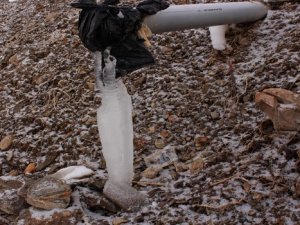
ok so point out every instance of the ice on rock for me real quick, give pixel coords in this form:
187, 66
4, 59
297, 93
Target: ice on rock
114, 119
124, 196
72, 172
217, 36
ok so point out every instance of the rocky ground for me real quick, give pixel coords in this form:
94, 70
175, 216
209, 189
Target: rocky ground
194, 110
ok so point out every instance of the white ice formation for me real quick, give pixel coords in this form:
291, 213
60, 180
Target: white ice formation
217, 36
72, 172
115, 126
114, 119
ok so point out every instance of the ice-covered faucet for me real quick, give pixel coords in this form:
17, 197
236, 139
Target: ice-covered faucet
114, 119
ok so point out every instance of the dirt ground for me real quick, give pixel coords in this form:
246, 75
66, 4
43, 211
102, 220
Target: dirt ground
232, 167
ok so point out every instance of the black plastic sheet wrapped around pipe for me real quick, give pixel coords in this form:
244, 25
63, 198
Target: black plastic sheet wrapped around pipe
108, 25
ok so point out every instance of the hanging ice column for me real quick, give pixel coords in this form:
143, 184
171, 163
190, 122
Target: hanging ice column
114, 119
115, 125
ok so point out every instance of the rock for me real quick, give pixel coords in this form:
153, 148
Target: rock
173, 118
4, 221
10, 155
14, 60
284, 96
152, 171
181, 167
139, 81
165, 133
13, 173
159, 143
123, 195
281, 106
297, 187
49, 159
72, 172
30, 169
119, 221
197, 165
215, 115
161, 157
52, 16
10, 201
182, 2
90, 85
97, 183
6, 142
10, 182
139, 143
32, 216
49, 193
243, 41
166, 50
94, 200
200, 140
151, 130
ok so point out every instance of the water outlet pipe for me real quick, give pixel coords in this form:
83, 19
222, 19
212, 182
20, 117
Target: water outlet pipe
183, 17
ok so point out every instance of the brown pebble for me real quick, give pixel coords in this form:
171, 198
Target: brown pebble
30, 169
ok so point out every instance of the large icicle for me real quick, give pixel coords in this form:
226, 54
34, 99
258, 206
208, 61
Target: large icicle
116, 133
115, 125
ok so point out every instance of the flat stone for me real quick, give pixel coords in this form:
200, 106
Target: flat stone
281, 106
33, 216
163, 157
6, 142
95, 200
49, 193
297, 187
159, 143
123, 195
197, 165
10, 201
152, 171
215, 115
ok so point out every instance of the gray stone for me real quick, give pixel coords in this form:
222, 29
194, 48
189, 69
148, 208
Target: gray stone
124, 196
49, 193
32, 216
95, 200
10, 201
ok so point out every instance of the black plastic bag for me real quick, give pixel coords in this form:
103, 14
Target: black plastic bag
107, 25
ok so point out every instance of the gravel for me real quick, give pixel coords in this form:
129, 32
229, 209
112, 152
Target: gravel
249, 172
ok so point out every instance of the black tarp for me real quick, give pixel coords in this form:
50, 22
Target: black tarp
109, 25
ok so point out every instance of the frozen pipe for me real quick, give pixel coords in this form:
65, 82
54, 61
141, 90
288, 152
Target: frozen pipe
182, 17
114, 118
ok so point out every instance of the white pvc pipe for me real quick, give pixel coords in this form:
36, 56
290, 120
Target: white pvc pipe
182, 17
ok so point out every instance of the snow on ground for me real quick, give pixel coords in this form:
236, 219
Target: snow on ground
48, 103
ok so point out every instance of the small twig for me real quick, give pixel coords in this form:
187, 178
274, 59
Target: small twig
233, 88
146, 183
89, 141
225, 180
222, 207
